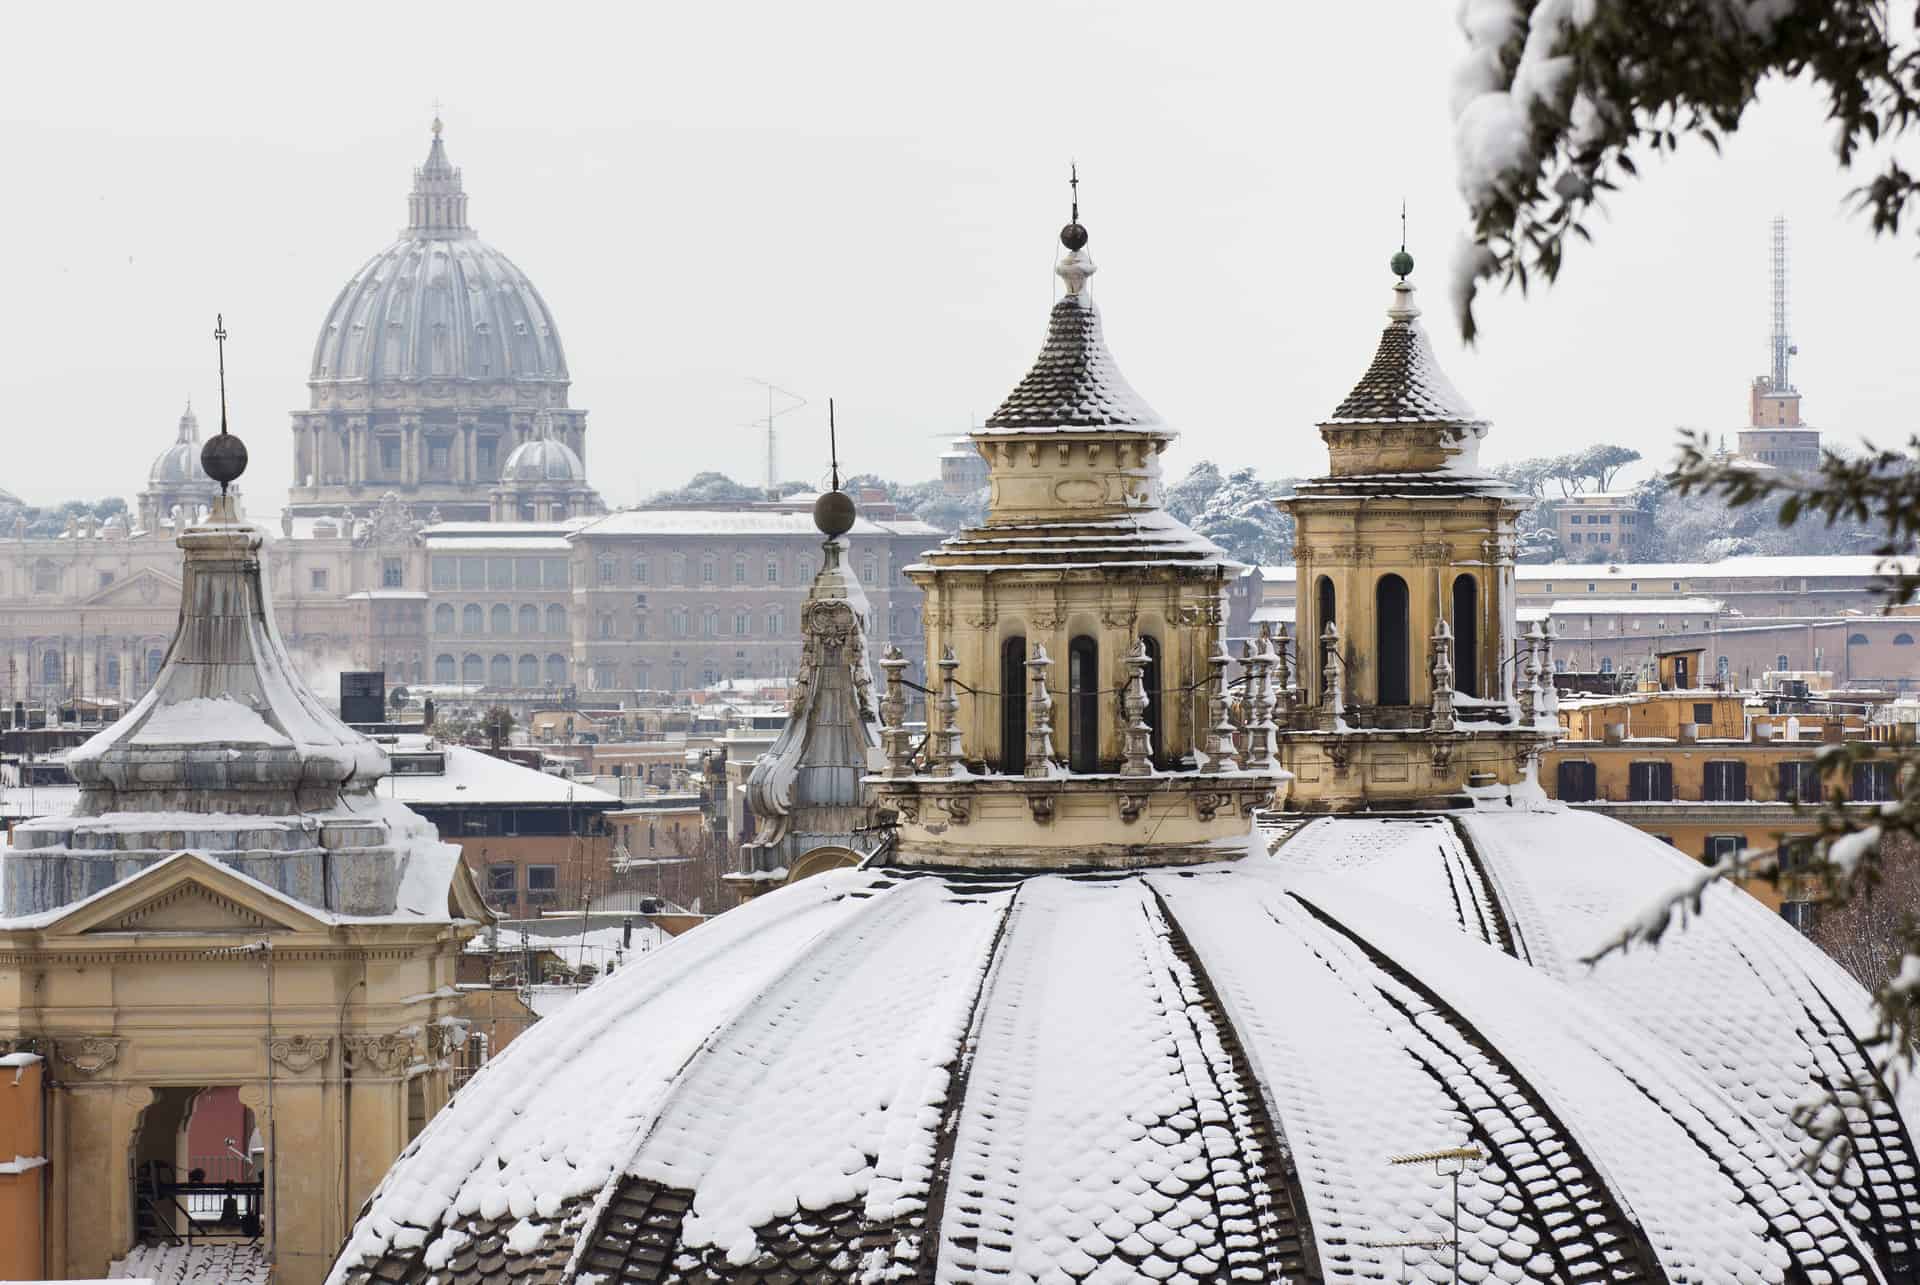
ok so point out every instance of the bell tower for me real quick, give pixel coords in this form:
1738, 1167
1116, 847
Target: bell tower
1081, 710
1411, 678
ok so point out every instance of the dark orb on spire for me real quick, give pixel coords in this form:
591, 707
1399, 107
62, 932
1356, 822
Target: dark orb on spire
1073, 236
1401, 263
834, 513
223, 458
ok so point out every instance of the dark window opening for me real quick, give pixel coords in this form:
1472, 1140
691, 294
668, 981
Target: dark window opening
1323, 616
1390, 645
1724, 782
1800, 782
1650, 782
1466, 635
1013, 705
1703, 715
1578, 782
1083, 704
1156, 721
1873, 782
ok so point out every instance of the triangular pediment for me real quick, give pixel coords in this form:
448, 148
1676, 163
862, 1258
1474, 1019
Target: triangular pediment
144, 588
186, 893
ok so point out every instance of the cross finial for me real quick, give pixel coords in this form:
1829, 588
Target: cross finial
220, 341
833, 445
1073, 169
436, 118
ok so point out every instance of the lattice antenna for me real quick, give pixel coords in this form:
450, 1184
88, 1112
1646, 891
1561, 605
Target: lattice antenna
1783, 348
773, 479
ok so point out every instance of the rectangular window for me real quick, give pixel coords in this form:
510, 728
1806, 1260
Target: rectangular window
641, 570
438, 458
446, 573
1794, 855
773, 571
503, 878
1606, 537
1873, 782
1650, 782
1703, 711
1574, 520
392, 573
1724, 781
1800, 782
1574, 538
1577, 783
1722, 846
106, 578
499, 573
317, 577
473, 573
1801, 914
543, 878
553, 572
389, 455
526, 573
483, 455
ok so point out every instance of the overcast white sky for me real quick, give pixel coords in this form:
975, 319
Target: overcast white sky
862, 200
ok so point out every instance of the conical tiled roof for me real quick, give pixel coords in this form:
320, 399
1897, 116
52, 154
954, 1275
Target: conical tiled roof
1074, 383
1405, 384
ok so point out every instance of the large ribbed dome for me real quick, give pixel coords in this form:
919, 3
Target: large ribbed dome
439, 303
1202, 1074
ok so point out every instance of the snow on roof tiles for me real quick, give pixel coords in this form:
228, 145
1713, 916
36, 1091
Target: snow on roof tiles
1404, 384
1194, 1075
1074, 382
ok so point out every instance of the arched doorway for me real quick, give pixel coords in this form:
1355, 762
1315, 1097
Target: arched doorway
1013, 705
1083, 704
1466, 635
1390, 642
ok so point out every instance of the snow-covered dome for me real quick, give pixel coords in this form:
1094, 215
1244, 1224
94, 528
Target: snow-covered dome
179, 464
543, 459
439, 303
1207, 1073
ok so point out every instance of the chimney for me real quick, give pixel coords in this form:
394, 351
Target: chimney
1689, 733
1832, 732
1614, 733
1763, 730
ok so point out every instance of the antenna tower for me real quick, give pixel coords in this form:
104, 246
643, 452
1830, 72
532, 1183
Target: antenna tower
773, 478
1783, 347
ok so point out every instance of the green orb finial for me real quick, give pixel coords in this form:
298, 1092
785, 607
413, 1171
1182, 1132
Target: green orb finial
1401, 263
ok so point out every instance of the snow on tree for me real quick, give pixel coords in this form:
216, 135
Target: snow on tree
1555, 98
711, 488
1241, 517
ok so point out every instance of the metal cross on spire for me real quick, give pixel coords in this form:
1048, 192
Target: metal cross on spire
436, 117
833, 445
1403, 223
1073, 169
220, 341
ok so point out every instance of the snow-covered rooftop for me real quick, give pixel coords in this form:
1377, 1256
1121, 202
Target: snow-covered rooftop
1650, 605
1198, 1074
475, 777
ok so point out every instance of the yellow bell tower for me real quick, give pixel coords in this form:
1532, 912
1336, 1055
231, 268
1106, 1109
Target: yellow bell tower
1411, 681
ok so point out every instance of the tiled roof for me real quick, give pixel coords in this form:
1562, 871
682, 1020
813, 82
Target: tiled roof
1074, 383
1405, 384
1195, 1075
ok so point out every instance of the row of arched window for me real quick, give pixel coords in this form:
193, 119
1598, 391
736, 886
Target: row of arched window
500, 619
53, 668
1077, 707
1393, 635
476, 670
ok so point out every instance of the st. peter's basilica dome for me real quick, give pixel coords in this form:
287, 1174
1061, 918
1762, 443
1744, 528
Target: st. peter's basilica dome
439, 302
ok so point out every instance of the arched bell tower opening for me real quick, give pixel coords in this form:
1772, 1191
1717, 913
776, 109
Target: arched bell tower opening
1392, 649
1323, 615
1083, 704
1013, 705
1466, 635
1156, 699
